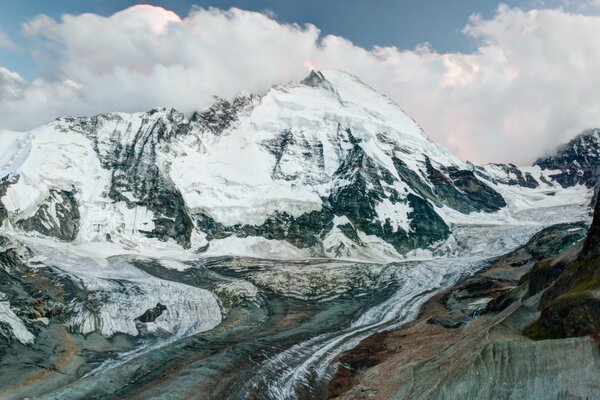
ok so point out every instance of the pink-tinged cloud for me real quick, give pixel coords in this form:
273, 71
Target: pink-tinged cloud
530, 85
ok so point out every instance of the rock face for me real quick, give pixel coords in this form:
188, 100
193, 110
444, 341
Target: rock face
570, 306
21, 301
130, 154
591, 246
151, 314
3, 186
326, 165
58, 216
516, 177
576, 162
461, 190
565, 369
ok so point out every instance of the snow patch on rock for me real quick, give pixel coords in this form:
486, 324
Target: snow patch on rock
16, 326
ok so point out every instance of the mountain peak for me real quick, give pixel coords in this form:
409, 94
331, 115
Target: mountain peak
314, 79
576, 160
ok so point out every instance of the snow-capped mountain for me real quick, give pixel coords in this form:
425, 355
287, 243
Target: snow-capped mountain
324, 167
577, 161
113, 226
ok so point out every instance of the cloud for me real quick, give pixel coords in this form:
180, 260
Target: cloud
530, 85
6, 43
11, 85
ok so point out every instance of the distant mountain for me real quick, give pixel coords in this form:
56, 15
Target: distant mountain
324, 167
575, 162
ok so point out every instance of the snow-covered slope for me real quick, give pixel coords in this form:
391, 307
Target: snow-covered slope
324, 167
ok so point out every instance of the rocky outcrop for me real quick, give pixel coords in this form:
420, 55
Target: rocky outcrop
137, 179
58, 217
514, 177
553, 240
223, 114
576, 161
304, 231
461, 190
151, 314
550, 369
26, 295
570, 306
3, 213
591, 246
363, 185
315, 79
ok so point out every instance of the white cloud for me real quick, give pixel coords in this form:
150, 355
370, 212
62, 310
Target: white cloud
7, 43
11, 85
530, 85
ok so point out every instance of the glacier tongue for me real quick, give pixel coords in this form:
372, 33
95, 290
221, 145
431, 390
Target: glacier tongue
116, 294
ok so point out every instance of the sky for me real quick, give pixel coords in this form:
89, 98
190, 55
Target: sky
494, 82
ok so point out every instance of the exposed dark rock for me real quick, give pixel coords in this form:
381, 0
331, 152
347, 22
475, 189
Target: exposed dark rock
543, 274
4, 184
591, 245
317, 80
287, 146
151, 314
303, 231
449, 322
32, 293
481, 196
571, 305
501, 302
213, 229
366, 185
223, 113
137, 178
462, 191
577, 161
58, 216
11, 255
314, 79
554, 239
519, 179
571, 316
5, 334
475, 287
350, 232
414, 181
426, 225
